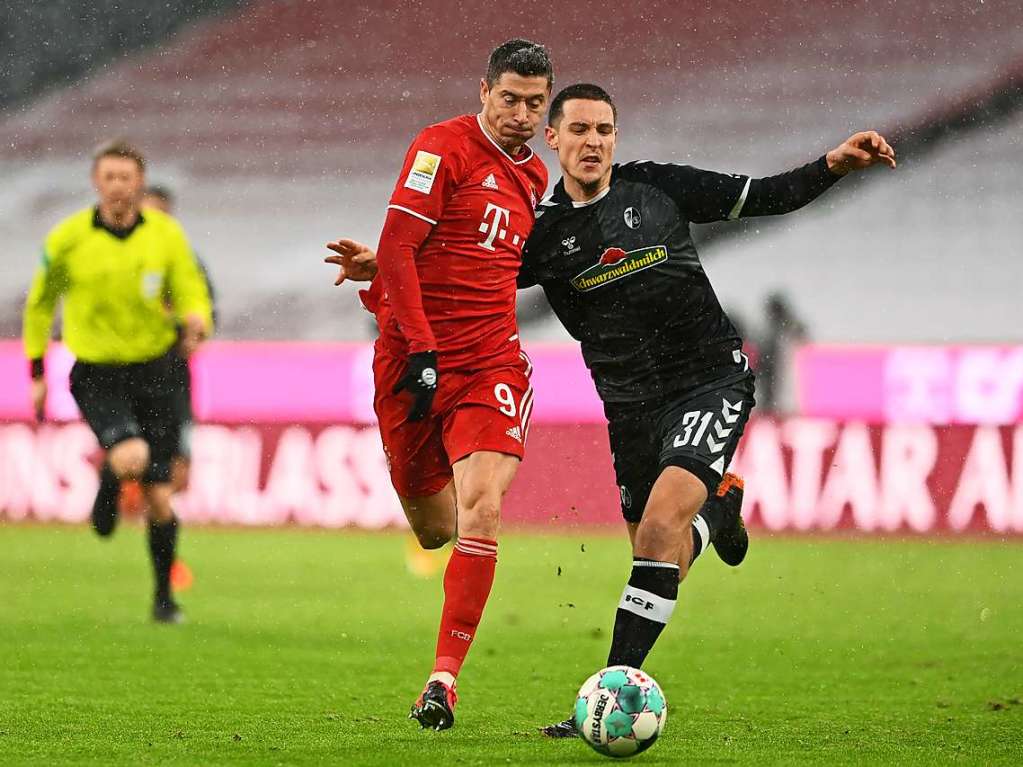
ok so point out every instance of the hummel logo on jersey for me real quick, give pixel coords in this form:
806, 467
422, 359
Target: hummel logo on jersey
570, 246
626, 497
490, 182
515, 433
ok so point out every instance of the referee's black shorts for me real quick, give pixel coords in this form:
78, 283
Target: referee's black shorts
697, 430
120, 402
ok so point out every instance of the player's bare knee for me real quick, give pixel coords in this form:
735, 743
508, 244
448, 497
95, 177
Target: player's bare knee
480, 513
434, 533
158, 507
659, 537
686, 515
181, 471
129, 459
160, 516
434, 538
431, 518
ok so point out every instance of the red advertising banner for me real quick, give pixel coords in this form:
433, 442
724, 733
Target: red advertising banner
802, 474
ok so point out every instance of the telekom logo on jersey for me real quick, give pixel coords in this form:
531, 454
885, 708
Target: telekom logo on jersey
495, 225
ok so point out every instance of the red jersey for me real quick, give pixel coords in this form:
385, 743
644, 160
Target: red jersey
480, 201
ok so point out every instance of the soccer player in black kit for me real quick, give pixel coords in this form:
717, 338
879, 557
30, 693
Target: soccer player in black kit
612, 250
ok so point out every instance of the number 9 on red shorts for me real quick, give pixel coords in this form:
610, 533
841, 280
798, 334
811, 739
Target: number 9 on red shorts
473, 411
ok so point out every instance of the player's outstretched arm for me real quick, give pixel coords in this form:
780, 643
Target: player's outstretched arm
705, 196
859, 151
355, 261
48, 285
786, 192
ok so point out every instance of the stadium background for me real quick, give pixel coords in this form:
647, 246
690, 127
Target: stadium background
280, 125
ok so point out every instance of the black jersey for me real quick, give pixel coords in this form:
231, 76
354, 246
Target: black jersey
622, 273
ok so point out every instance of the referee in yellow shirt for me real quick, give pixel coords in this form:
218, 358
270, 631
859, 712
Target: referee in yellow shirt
114, 267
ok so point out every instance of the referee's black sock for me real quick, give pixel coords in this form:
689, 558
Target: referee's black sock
646, 606
163, 540
104, 506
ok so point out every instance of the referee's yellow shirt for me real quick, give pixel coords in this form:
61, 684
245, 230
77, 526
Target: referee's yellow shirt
115, 286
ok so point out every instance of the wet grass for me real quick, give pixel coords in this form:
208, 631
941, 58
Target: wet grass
308, 647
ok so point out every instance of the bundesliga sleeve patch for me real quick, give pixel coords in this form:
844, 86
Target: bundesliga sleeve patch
423, 173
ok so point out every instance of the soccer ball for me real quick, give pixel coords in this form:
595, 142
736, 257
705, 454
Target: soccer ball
620, 711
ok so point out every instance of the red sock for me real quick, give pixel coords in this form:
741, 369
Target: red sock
467, 582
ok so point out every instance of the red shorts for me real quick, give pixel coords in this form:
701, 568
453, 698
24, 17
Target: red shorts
472, 411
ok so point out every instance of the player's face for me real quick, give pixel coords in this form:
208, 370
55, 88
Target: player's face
584, 139
119, 182
514, 107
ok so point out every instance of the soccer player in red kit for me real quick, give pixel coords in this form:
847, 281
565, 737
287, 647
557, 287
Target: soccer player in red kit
452, 385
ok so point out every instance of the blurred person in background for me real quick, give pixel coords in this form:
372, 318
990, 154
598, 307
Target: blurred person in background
749, 346
161, 198
774, 364
114, 267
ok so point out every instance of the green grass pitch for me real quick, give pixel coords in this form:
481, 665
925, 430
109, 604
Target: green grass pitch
307, 647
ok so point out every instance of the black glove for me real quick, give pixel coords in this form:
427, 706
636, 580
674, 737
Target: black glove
420, 380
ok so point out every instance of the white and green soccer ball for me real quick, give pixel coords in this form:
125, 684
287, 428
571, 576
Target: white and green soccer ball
620, 711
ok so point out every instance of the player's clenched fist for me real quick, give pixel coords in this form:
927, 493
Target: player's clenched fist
420, 380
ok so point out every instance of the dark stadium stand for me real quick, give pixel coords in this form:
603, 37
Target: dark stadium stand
295, 115
53, 44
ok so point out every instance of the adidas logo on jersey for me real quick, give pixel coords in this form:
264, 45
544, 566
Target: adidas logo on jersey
515, 433
490, 182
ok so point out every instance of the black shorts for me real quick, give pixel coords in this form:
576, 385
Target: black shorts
120, 402
695, 430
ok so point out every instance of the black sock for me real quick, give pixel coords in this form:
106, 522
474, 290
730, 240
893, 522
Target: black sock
645, 608
163, 540
713, 513
701, 536
705, 526
104, 506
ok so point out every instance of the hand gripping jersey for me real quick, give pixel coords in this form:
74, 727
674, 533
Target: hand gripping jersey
623, 276
480, 201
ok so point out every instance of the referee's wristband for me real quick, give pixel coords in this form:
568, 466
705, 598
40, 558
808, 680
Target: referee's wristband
35, 368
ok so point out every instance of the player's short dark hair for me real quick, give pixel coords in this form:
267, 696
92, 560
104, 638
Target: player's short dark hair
586, 91
160, 192
523, 57
119, 148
